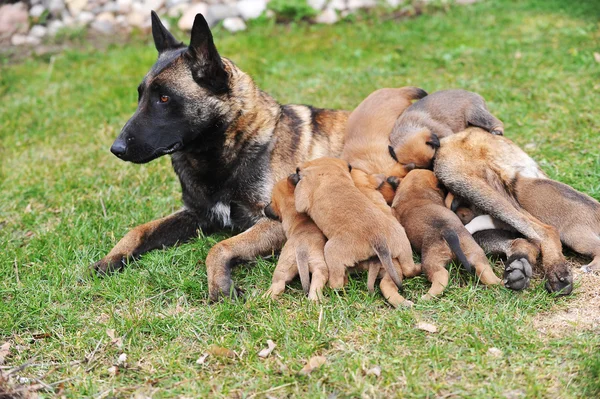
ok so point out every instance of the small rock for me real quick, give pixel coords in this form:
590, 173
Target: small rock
137, 19
55, 25
85, 17
218, 12
329, 17
20, 40
105, 16
495, 352
76, 6
172, 3
376, 371
177, 11
121, 20
36, 11
337, 5
356, 4
124, 6
104, 27
250, 9
394, 3
112, 7
38, 31
187, 19
430, 328
56, 7
317, 4
13, 18
234, 24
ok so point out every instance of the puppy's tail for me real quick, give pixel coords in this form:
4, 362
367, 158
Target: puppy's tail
453, 241
303, 269
383, 253
413, 93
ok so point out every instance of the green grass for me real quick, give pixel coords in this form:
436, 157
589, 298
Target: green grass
533, 62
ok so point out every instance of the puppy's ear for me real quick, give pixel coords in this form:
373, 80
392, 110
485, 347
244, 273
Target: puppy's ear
410, 166
456, 203
349, 168
434, 141
270, 212
393, 181
392, 153
294, 178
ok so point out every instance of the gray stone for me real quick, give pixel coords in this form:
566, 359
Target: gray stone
13, 18
187, 19
38, 31
337, 4
106, 16
56, 7
356, 4
76, 6
124, 6
466, 2
111, 7
85, 17
36, 11
138, 20
219, 12
177, 11
317, 4
172, 3
250, 9
54, 26
104, 27
328, 16
234, 24
21, 40
394, 3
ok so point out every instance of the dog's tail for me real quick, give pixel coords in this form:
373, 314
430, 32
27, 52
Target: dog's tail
303, 269
413, 93
453, 241
383, 253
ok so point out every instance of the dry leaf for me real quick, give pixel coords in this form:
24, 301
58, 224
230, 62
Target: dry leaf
28, 208
122, 359
4, 351
597, 56
494, 352
518, 55
113, 370
313, 363
375, 370
283, 369
202, 358
117, 341
427, 327
267, 351
219, 351
103, 318
41, 335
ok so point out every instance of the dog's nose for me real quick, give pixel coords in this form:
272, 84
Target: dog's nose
119, 148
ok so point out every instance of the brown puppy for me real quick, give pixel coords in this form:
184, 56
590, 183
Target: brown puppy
355, 228
496, 176
303, 251
368, 132
369, 185
437, 232
417, 132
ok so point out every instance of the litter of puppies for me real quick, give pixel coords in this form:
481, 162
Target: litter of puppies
415, 169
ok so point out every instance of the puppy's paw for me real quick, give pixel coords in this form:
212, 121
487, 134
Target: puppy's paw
108, 265
225, 289
517, 273
560, 280
592, 267
499, 131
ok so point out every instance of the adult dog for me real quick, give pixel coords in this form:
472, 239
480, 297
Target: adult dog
229, 142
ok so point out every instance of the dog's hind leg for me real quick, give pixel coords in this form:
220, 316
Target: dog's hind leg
434, 258
477, 258
389, 289
338, 258
586, 242
319, 277
285, 271
481, 117
176, 228
263, 238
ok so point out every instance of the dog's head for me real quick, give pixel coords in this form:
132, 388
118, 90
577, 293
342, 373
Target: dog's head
181, 100
282, 197
417, 151
421, 183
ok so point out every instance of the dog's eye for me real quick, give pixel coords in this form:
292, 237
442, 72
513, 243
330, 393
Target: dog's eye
164, 99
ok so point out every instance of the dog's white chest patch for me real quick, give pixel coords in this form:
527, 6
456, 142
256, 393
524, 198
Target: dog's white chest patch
222, 213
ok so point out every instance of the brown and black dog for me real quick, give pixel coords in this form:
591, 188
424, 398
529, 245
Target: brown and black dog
436, 232
417, 132
355, 228
496, 176
229, 143
303, 250
368, 133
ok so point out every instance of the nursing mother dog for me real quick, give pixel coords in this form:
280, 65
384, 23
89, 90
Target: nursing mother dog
229, 142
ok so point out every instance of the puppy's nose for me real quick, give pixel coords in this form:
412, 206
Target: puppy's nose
119, 148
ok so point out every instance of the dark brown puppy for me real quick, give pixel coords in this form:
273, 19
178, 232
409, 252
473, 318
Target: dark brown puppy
417, 132
303, 250
436, 232
496, 176
355, 228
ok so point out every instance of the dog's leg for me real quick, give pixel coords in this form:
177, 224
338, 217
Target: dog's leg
477, 258
557, 272
337, 259
285, 271
165, 232
520, 255
389, 289
586, 242
320, 274
261, 239
433, 260
481, 117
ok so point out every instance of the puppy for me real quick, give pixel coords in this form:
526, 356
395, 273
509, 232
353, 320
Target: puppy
369, 185
368, 133
355, 228
417, 132
303, 251
436, 231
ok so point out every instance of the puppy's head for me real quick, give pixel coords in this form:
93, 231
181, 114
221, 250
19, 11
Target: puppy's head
422, 183
282, 197
318, 172
465, 214
417, 150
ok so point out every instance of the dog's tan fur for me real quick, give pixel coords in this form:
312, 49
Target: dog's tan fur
436, 232
303, 250
416, 133
496, 176
355, 228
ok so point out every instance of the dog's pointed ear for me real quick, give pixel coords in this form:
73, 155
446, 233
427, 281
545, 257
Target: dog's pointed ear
206, 64
163, 39
392, 153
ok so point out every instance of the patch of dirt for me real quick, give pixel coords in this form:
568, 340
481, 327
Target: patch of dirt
582, 311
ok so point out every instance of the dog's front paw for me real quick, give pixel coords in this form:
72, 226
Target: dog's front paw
560, 281
224, 289
499, 131
109, 265
517, 273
